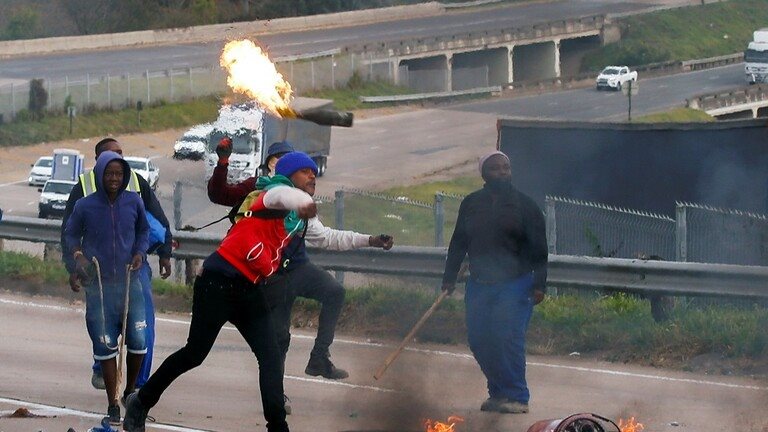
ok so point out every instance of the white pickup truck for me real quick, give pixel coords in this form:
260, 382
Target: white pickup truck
615, 77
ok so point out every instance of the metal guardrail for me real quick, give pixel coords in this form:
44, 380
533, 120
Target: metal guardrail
676, 278
711, 62
469, 4
427, 96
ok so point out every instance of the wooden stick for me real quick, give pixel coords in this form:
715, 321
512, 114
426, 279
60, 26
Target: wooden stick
121, 349
391, 358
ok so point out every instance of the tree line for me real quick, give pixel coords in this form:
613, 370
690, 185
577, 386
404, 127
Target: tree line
36, 19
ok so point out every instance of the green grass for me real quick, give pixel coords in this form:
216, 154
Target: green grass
15, 265
155, 118
617, 327
677, 115
161, 116
683, 34
348, 98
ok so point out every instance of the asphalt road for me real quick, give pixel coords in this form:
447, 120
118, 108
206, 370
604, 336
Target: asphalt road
138, 60
44, 352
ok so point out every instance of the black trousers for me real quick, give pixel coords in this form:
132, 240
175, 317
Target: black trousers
218, 299
309, 281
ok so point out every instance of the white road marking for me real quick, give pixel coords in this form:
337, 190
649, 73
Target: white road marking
53, 410
13, 183
423, 351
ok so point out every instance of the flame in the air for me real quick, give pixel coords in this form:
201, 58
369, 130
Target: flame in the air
252, 73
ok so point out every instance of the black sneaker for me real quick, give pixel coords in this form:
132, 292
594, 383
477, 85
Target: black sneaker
113, 413
135, 414
97, 380
287, 405
322, 366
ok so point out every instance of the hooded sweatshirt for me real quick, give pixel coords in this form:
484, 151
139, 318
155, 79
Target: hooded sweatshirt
113, 232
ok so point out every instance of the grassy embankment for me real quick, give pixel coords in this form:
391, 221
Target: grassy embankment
162, 116
677, 115
682, 34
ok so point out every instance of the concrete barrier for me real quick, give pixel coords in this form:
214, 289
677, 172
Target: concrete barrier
215, 32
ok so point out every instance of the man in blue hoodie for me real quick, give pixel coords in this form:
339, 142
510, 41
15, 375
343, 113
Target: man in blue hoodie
107, 236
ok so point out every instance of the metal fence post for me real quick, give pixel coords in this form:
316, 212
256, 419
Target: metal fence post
191, 85
109, 93
339, 205
177, 194
439, 219
128, 78
312, 70
681, 233
333, 72
170, 78
551, 230
148, 92
551, 222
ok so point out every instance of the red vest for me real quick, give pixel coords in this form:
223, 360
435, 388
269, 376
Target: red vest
254, 245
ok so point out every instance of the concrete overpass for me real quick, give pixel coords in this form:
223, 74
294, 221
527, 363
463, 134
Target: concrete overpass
743, 103
492, 57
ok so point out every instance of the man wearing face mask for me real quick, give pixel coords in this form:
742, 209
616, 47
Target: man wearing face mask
503, 233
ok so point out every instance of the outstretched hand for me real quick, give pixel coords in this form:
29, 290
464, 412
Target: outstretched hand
383, 241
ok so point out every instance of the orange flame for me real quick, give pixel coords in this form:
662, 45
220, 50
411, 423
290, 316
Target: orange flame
436, 426
630, 426
252, 73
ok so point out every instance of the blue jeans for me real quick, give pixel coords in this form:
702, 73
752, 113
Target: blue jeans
145, 277
104, 320
497, 317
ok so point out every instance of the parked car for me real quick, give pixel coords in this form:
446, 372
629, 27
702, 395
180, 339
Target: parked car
53, 198
192, 144
615, 77
145, 168
41, 171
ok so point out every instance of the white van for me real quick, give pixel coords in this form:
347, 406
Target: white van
41, 171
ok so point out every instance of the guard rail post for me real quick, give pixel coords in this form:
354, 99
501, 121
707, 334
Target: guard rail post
550, 217
339, 205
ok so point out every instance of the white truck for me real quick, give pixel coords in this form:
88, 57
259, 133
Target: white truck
615, 77
252, 131
756, 58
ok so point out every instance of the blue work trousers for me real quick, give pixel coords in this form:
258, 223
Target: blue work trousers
497, 320
145, 277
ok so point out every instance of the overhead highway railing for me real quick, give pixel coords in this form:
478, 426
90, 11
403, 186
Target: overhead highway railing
589, 273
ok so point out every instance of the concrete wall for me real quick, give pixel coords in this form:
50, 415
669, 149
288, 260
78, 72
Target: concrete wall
641, 166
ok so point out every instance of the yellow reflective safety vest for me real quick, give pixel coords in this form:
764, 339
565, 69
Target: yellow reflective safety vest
88, 182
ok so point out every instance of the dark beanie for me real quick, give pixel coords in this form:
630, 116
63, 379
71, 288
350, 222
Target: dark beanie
279, 147
294, 161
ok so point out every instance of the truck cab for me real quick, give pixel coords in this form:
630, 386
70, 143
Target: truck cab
615, 77
756, 58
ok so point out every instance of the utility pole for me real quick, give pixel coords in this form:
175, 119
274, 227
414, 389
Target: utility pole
630, 89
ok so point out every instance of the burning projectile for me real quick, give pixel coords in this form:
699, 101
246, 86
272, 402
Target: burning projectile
250, 72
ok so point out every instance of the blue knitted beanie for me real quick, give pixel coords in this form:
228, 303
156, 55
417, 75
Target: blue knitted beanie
292, 162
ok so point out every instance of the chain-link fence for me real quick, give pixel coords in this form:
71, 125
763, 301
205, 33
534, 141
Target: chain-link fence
305, 73
585, 228
725, 236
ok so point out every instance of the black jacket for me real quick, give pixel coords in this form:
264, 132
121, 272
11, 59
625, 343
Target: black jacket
151, 204
505, 238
